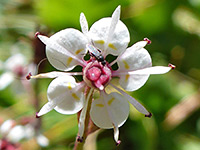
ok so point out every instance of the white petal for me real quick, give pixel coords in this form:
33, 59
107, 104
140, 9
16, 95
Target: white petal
47, 108
118, 41
6, 79
152, 70
65, 49
133, 101
139, 45
84, 24
132, 82
14, 61
72, 40
108, 110
113, 24
6, 126
29, 131
133, 59
42, 140
58, 56
66, 94
16, 134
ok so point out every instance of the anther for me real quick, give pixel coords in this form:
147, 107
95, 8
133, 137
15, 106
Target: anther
36, 34
172, 66
148, 115
28, 77
80, 139
148, 41
118, 143
36, 116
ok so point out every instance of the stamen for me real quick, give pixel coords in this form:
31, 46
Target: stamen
118, 143
81, 125
28, 77
36, 116
36, 34
133, 101
80, 139
148, 41
149, 115
112, 119
172, 66
54, 74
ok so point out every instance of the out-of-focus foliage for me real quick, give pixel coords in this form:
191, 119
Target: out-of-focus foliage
173, 98
66, 12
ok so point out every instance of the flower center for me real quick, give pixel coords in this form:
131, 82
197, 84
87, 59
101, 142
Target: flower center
96, 75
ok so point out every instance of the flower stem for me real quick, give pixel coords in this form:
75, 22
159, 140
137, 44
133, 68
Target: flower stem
79, 145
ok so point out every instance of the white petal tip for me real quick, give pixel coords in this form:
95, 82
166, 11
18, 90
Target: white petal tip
117, 11
118, 7
82, 15
84, 24
44, 39
45, 109
116, 135
39, 36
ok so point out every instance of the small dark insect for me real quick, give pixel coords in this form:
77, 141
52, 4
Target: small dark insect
96, 53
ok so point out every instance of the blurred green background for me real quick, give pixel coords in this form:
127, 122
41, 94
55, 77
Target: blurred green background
173, 26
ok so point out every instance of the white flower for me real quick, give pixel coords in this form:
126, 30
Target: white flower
66, 49
14, 133
14, 67
7, 126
